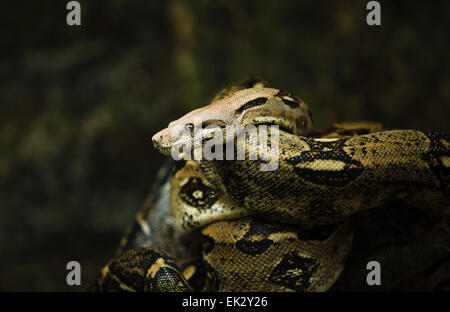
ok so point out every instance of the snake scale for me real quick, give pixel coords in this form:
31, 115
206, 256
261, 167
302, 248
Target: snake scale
227, 225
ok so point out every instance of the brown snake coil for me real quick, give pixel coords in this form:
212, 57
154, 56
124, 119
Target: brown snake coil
227, 225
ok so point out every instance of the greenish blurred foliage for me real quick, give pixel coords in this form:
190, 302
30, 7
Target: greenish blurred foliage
78, 105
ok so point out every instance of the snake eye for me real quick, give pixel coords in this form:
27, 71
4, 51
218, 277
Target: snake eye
189, 127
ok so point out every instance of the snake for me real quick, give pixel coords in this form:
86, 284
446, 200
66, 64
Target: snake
227, 224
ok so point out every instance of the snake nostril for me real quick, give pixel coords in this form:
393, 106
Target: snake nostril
157, 138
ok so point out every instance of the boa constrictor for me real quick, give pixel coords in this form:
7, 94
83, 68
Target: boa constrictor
227, 225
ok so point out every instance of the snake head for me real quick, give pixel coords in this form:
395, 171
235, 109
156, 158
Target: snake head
192, 129
252, 106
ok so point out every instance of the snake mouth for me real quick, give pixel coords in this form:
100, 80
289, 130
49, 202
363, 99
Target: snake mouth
181, 149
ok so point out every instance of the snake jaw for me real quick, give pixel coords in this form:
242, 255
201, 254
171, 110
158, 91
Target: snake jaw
161, 142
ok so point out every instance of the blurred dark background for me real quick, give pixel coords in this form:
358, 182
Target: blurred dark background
79, 104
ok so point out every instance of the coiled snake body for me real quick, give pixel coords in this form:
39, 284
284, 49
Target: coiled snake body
227, 225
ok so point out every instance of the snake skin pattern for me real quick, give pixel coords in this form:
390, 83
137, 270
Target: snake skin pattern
212, 225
